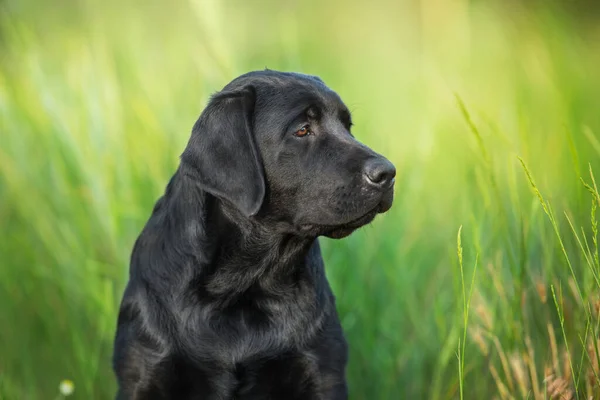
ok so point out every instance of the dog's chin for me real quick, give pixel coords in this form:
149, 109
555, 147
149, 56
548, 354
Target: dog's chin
339, 232
346, 229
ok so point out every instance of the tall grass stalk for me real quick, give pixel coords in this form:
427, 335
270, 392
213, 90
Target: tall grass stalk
548, 210
462, 344
561, 320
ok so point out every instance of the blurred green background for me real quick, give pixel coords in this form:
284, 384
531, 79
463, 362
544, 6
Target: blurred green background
97, 100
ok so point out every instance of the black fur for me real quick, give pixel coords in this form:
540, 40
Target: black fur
227, 296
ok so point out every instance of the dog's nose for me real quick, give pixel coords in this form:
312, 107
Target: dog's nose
380, 173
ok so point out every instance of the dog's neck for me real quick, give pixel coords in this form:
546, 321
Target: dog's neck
253, 253
238, 252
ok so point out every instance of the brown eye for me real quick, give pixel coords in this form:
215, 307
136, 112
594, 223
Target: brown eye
302, 131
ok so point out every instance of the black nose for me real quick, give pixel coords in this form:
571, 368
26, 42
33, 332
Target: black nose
380, 173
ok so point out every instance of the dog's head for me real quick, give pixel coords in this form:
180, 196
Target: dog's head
277, 146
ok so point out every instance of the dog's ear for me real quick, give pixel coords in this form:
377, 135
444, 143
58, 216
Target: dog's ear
222, 152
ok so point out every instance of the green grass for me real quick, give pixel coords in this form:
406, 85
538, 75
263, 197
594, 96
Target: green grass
490, 112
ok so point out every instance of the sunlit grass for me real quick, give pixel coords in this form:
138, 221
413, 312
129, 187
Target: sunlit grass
97, 101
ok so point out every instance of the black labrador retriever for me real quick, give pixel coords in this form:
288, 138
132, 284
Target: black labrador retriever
227, 296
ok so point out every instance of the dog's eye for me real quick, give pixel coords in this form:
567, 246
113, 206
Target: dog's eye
304, 131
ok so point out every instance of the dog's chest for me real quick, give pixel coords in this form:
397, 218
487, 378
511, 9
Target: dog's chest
261, 323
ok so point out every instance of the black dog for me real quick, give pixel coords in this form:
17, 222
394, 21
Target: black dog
227, 296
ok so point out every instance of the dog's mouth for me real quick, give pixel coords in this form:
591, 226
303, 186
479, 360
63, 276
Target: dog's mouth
344, 229
341, 231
